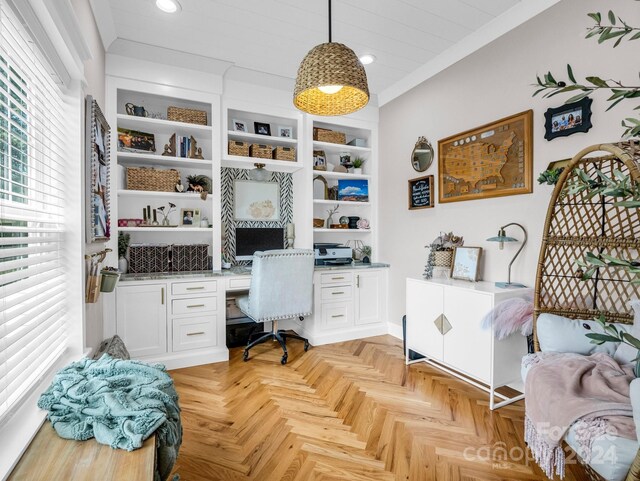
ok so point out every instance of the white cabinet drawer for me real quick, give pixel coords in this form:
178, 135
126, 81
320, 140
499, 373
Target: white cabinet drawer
336, 278
337, 314
197, 287
195, 305
336, 293
194, 333
239, 283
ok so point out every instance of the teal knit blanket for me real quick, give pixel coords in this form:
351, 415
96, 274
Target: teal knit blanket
120, 403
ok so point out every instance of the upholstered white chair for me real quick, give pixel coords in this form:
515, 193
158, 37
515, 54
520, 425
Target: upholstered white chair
281, 288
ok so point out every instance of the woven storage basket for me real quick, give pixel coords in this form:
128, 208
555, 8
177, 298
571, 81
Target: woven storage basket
261, 151
443, 258
148, 258
142, 178
189, 257
326, 135
189, 116
238, 148
284, 153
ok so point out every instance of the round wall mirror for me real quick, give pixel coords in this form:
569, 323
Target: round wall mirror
422, 155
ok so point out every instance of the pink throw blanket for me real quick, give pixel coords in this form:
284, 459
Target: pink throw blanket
562, 388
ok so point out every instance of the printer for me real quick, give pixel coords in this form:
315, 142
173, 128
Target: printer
330, 254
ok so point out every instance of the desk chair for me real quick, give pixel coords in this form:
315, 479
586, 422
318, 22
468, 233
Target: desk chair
281, 288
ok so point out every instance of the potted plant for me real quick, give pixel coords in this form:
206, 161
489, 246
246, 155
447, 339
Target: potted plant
108, 279
441, 252
123, 244
357, 165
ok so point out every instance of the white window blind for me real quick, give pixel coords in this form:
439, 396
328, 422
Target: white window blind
32, 213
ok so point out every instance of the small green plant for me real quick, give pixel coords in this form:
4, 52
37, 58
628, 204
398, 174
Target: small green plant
550, 177
357, 162
365, 251
123, 243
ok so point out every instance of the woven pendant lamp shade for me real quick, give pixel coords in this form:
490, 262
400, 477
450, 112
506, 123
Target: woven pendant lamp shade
331, 64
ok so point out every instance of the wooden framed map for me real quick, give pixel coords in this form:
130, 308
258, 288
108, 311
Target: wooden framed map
489, 161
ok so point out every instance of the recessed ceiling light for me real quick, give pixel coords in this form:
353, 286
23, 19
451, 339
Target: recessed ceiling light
168, 6
367, 58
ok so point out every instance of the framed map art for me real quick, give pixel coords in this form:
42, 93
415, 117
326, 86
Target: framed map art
489, 161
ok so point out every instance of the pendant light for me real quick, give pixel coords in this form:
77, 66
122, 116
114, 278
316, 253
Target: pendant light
259, 174
331, 80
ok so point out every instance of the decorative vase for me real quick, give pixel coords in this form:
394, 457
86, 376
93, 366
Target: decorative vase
165, 221
123, 265
329, 221
357, 170
353, 222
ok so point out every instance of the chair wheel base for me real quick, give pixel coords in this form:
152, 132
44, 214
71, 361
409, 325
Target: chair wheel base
245, 356
306, 346
283, 361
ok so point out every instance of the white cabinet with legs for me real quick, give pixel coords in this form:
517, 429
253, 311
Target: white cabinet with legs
444, 324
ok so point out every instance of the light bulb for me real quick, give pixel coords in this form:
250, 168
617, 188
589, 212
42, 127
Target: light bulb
330, 89
168, 6
501, 245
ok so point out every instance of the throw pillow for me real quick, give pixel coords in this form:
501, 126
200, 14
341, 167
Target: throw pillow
625, 353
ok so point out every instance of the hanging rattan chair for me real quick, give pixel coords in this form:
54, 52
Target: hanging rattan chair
575, 225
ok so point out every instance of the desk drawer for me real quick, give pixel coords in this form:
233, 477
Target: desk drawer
195, 305
336, 293
194, 333
239, 283
336, 278
337, 314
197, 287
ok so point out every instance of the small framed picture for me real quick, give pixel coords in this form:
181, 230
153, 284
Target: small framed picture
262, 128
568, 119
135, 141
190, 217
466, 261
353, 190
240, 125
286, 132
319, 160
345, 159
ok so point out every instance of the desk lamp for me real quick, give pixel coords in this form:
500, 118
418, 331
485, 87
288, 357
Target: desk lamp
502, 237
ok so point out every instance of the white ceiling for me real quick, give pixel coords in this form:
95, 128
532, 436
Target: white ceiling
272, 36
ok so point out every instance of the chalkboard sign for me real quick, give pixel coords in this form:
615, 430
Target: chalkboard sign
421, 193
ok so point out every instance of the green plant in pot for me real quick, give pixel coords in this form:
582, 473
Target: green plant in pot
123, 245
357, 165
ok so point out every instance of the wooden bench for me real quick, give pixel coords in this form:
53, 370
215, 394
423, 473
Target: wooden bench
50, 457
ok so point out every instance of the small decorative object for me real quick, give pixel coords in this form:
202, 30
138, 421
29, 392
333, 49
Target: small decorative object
179, 186
135, 141
345, 159
330, 214
318, 223
165, 215
108, 279
362, 224
291, 235
502, 238
190, 217
552, 174
286, 132
353, 221
466, 261
344, 220
365, 254
356, 247
199, 183
259, 174
136, 110
353, 190
421, 193
489, 161
330, 167
319, 160
124, 239
204, 223
256, 200
155, 218
422, 155
97, 135
341, 169
357, 165
320, 194
568, 119
441, 253
195, 152
357, 142
240, 126
333, 192
261, 128
170, 148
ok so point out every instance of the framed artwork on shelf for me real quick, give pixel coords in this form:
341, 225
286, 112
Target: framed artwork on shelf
568, 119
319, 160
466, 262
240, 125
261, 128
421, 193
97, 134
190, 217
493, 160
353, 190
136, 141
254, 201
286, 132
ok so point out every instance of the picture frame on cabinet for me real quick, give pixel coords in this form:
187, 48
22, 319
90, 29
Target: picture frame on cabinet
286, 132
240, 126
262, 128
568, 119
466, 263
190, 217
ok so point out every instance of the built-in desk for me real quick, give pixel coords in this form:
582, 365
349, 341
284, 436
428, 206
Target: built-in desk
179, 318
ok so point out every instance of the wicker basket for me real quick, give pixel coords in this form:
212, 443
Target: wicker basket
326, 135
443, 258
261, 151
189, 116
142, 178
284, 153
238, 148
189, 257
148, 258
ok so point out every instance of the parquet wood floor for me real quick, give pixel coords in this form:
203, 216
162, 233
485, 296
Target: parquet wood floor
347, 411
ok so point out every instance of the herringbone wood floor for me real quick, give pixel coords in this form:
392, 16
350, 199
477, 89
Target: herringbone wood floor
347, 411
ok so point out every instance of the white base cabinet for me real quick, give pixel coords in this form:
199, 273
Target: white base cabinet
142, 319
444, 324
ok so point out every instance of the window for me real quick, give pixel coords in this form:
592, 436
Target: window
32, 213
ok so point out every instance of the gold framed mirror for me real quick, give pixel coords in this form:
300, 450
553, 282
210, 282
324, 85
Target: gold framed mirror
422, 155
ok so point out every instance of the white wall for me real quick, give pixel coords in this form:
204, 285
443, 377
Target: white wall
491, 84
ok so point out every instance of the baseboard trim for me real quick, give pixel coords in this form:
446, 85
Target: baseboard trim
178, 360
394, 330
359, 332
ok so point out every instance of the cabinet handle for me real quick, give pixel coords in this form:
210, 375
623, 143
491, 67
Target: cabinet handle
337, 292
162, 295
195, 333
338, 315
195, 288
358, 281
337, 278
195, 305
